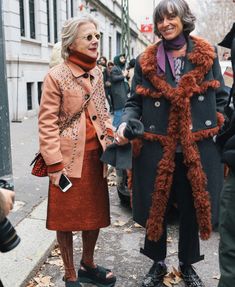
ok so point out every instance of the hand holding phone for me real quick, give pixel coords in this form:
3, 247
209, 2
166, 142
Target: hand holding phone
64, 183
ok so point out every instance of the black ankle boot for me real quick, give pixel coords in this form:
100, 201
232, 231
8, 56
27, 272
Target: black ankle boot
155, 276
190, 276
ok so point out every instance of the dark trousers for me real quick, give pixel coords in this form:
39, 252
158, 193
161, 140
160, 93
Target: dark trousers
1, 285
188, 247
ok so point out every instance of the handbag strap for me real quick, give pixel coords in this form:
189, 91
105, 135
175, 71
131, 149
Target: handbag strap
76, 116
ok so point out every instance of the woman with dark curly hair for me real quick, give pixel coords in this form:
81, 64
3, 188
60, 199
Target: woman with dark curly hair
178, 93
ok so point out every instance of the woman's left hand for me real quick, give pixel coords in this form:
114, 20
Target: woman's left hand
55, 176
120, 139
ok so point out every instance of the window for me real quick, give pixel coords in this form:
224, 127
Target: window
101, 44
69, 8
71, 3
118, 44
52, 21
48, 23
55, 20
110, 48
22, 25
29, 96
39, 92
32, 19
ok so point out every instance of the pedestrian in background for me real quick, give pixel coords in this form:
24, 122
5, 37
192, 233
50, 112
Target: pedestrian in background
119, 87
130, 69
56, 58
227, 202
226, 56
74, 129
106, 70
178, 93
107, 85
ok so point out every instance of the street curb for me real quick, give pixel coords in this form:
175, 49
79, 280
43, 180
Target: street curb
20, 264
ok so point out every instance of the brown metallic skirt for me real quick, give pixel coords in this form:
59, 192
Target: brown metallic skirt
85, 206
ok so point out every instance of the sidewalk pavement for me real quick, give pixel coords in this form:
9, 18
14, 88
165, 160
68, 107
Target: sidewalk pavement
117, 248
28, 215
18, 265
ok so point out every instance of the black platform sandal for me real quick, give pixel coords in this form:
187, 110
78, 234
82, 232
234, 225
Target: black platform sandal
72, 283
96, 276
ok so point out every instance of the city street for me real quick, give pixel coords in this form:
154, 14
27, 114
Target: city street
118, 245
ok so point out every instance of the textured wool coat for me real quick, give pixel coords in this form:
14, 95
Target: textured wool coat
189, 114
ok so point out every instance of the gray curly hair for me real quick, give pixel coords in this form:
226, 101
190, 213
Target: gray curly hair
70, 32
178, 8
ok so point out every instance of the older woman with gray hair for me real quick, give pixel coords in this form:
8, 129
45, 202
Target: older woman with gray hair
178, 93
74, 129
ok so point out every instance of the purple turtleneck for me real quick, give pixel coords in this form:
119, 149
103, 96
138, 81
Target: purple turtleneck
174, 44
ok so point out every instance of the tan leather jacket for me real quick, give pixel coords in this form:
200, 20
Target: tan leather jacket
64, 91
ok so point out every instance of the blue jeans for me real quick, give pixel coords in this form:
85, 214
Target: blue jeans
117, 117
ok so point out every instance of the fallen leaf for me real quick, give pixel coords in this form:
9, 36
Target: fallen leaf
169, 240
31, 284
217, 277
112, 183
176, 272
43, 281
55, 252
119, 223
57, 262
136, 225
167, 281
127, 230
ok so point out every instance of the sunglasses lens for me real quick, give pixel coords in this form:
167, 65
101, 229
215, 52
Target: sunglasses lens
89, 37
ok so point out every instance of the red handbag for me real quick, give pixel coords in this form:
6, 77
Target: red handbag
39, 165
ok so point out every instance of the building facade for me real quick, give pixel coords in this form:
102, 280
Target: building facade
32, 27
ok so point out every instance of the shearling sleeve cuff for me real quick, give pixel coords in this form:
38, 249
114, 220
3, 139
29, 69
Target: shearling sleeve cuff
55, 167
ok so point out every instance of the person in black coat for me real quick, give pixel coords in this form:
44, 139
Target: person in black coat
178, 93
107, 85
119, 87
227, 202
6, 204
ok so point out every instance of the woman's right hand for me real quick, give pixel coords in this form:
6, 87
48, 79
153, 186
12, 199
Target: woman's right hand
55, 176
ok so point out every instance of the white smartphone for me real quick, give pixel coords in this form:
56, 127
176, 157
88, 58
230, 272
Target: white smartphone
64, 183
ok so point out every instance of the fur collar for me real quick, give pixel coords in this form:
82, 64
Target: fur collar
202, 55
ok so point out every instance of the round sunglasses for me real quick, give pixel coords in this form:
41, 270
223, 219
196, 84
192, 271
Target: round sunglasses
90, 37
